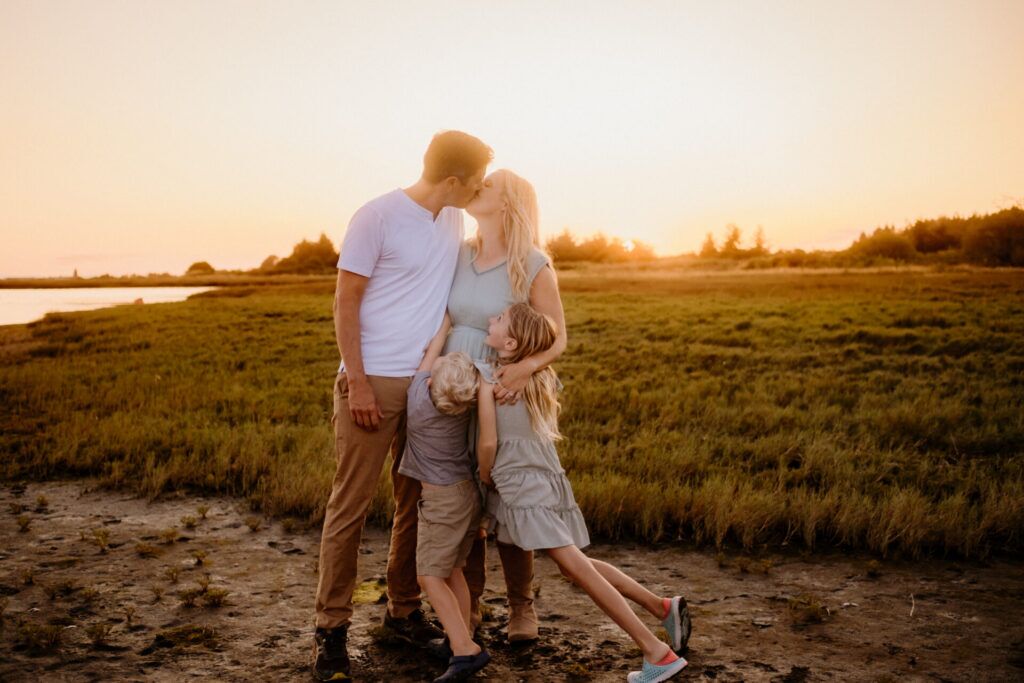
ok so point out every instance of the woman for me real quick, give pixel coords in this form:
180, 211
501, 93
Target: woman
502, 266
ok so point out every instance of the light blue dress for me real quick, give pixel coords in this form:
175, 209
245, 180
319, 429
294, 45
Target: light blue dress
535, 507
477, 296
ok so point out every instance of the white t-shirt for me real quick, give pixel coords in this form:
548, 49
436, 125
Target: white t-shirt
410, 259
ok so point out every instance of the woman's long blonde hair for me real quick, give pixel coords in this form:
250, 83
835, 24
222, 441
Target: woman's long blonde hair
521, 229
535, 333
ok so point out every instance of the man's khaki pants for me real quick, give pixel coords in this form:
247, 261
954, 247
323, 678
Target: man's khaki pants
360, 456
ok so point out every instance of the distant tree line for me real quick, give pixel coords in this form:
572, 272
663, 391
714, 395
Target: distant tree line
995, 239
600, 249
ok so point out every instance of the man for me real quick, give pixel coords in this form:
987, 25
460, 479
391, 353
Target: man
396, 266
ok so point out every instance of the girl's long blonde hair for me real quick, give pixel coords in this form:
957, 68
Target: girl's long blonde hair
535, 333
521, 229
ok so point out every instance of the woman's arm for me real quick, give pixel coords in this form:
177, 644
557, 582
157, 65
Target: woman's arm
436, 344
544, 297
487, 431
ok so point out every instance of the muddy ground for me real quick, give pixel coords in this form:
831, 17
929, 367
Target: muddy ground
771, 618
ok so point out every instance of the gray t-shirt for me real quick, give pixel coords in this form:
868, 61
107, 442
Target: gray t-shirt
436, 445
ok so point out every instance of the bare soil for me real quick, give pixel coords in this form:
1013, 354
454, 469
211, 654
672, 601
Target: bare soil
774, 617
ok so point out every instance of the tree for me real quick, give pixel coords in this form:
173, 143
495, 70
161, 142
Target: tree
563, 247
310, 257
708, 249
200, 268
731, 245
760, 245
269, 263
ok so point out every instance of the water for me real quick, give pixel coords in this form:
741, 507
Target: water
25, 305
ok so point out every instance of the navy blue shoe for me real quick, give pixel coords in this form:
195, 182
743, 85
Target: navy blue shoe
461, 668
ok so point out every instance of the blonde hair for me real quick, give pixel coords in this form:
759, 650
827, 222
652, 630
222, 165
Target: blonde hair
453, 383
535, 333
520, 228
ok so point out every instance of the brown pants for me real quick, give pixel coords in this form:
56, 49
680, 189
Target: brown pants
360, 456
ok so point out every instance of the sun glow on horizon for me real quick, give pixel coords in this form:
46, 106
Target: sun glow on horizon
142, 138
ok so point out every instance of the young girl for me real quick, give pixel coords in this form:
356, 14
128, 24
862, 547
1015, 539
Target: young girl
535, 508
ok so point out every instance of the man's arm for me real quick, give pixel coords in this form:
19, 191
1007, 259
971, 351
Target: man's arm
348, 298
433, 351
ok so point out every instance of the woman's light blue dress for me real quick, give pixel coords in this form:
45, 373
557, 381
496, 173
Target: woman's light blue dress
535, 507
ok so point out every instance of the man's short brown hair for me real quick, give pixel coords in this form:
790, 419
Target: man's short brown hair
454, 153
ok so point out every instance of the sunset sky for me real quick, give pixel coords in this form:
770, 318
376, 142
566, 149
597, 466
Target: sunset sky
142, 136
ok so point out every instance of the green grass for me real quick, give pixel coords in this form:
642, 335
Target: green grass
880, 411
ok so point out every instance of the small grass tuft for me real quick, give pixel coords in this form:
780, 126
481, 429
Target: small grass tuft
101, 539
99, 633
147, 550
16, 508
254, 523
288, 525
202, 510
42, 504
200, 556
807, 609
874, 569
172, 573
188, 635
203, 582
89, 595
157, 591
214, 597
129, 614
169, 535
28, 576
38, 638
189, 596
188, 521
24, 521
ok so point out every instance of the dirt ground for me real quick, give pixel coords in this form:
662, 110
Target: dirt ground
770, 618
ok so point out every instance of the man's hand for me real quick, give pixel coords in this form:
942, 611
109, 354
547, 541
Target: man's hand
362, 405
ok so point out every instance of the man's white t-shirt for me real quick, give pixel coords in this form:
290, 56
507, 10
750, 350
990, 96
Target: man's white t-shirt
410, 259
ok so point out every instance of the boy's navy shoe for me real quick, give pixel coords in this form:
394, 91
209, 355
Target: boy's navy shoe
415, 629
331, 654
461, 668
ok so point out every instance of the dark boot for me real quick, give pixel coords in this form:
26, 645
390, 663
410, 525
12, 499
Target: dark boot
331, 646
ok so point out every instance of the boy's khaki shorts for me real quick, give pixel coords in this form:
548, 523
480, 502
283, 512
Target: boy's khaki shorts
448, 521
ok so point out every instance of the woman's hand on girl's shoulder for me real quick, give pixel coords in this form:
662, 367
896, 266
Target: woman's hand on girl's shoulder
511, 380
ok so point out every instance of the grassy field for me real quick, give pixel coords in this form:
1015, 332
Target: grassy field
869, 410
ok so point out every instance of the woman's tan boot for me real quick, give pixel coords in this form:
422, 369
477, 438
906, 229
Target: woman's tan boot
517, 565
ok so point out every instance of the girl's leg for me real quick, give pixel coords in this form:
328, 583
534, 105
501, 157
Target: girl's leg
449, 612
628, 587
578, 567
459, 588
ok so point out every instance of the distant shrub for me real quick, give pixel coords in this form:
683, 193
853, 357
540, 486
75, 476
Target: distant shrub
200, 268
308, 257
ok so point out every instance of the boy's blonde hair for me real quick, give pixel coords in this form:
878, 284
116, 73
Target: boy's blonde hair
535, 333
454, 381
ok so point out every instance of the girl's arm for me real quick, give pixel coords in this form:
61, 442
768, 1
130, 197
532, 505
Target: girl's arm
544, 297
487, 431
436, 344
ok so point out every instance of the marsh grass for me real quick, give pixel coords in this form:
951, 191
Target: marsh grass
881, 411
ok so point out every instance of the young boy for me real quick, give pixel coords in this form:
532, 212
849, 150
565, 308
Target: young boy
437, 454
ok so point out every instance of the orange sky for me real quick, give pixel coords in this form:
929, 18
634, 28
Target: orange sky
142, 136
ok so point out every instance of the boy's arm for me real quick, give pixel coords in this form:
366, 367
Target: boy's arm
487, 434
436, 344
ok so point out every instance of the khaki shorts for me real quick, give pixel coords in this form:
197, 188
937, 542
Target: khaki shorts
448, 521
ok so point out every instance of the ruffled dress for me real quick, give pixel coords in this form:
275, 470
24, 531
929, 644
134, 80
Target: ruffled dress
535, 507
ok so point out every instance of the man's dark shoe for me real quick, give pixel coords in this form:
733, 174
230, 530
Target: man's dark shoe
415, 628
461, 668
331, 654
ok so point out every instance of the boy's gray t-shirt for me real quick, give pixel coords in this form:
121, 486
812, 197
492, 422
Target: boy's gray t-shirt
436, 445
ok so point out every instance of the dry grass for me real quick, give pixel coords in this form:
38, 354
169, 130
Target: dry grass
882, 411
